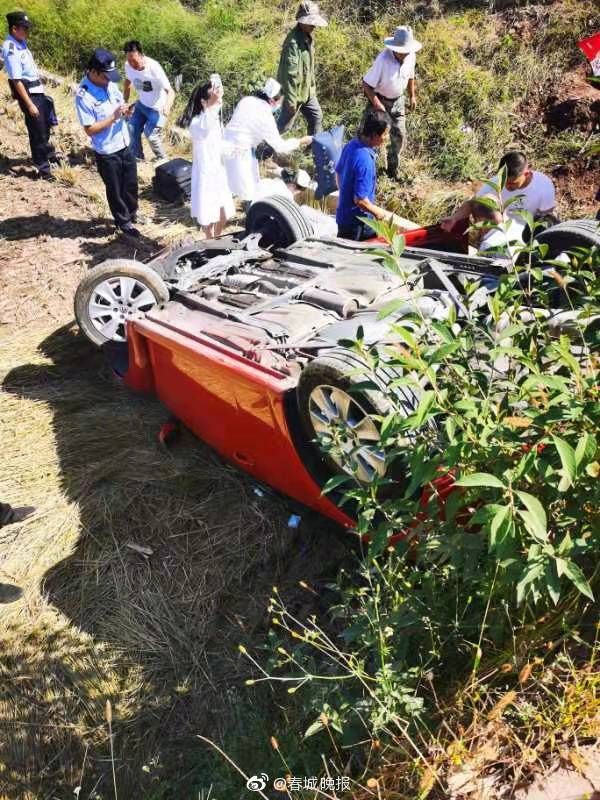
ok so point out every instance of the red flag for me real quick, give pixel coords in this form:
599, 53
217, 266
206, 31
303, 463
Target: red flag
590, 47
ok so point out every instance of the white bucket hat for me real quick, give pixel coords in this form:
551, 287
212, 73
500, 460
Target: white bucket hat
309, 13
272, 88
403, 41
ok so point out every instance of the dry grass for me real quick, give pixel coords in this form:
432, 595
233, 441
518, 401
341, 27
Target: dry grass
156, 633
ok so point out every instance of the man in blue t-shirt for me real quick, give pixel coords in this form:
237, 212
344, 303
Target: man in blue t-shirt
356, 175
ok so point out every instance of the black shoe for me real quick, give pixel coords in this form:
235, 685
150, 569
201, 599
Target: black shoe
129, 230
45, 175
7, 514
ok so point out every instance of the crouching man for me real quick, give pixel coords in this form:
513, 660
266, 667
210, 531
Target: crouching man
102, 112
356, 176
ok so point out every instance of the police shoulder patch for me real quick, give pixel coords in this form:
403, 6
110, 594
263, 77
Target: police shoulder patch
11, 48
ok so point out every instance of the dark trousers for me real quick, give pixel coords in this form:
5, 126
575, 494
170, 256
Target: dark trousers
119, 173
311, 111
396, 112
358, 231
39, 129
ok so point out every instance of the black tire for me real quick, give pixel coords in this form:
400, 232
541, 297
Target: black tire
279, 220
342, 369
569, 235
115, 268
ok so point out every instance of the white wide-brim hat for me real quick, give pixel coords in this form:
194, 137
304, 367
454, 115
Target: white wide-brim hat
402, 41
309, 13
272, 88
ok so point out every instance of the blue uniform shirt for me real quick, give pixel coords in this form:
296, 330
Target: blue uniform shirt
94, 103
19, 63
357, 177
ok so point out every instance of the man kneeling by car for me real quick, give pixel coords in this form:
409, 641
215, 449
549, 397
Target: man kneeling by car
525, 189
356, 176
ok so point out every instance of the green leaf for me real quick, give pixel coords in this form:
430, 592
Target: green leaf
565, 546
443, 331
498, 523
406, 335
425, 405
534, 572
576, 576
481, 479
390, 307
552, 583
567, 458
586, 449
315, 727
535, 516
561, 566
551, 381
334, 482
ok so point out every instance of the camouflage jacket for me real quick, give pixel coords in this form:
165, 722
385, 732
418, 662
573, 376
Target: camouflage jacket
297, 67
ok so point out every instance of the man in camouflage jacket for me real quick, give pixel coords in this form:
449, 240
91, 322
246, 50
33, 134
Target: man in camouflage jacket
297, 71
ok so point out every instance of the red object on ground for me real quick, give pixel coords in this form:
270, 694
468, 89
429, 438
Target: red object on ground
590, 47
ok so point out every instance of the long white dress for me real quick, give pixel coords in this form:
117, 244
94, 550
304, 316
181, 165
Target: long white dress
210, 187
252, 123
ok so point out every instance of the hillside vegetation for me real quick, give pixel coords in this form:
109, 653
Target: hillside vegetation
483, 77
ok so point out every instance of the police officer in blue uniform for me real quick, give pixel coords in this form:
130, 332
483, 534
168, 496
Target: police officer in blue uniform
27, 89
103, 114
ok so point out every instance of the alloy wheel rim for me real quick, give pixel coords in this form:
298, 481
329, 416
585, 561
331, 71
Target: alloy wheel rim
114, 301
338, 416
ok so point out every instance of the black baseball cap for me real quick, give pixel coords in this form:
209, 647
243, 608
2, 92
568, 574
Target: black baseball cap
18, 18
104, 61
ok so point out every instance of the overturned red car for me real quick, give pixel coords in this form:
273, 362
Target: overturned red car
239, 337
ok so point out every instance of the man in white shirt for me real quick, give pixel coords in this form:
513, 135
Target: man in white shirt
155, 98
386, 83
525, 188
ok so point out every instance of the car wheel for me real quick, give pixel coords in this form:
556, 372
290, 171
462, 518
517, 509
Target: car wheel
568, 235
113, 292
279, 221
333, 403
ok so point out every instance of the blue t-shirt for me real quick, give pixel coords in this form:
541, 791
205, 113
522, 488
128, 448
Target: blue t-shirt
19, 63
94, 103
357, 178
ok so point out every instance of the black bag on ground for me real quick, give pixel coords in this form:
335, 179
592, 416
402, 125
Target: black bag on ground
173, 180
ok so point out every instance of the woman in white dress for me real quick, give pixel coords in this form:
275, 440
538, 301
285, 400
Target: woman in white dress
211, 201
252, 123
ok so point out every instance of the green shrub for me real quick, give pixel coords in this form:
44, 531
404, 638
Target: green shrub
509, 412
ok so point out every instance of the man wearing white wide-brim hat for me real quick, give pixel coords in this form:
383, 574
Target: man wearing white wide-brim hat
386, 84
297, 70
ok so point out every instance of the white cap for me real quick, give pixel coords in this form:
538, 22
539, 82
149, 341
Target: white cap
271, 88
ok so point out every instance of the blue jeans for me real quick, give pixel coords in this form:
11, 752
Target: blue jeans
150, 122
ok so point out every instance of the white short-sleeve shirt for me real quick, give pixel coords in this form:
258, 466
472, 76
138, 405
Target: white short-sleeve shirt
150, 83
506, 238
537, 197
388, 77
